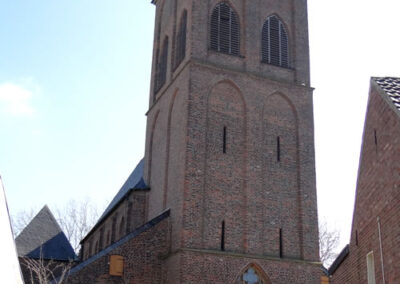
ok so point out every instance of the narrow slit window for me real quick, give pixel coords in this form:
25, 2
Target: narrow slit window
278, 149
122, 227
223, 236
356, 238
280, 243
224, 140
113, 228
376, 141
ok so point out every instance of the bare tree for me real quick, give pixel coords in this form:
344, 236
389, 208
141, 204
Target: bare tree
328, 243
43, 271
21, 220
76, 218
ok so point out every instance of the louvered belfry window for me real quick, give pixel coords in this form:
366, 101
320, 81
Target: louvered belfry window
180, 48
275, 44
161, 71
225, 31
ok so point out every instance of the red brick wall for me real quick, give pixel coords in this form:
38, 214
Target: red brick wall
257, 102
246, 187
205, 267
143, 259
377, 195
131, 212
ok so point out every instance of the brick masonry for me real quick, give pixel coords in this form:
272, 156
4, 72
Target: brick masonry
246, 188
126, 217
253, 187
143, 252
377, 195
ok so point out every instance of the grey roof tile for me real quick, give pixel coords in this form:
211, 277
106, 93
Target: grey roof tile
43, 237
391, 86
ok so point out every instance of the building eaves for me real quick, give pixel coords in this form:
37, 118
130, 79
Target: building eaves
338, 261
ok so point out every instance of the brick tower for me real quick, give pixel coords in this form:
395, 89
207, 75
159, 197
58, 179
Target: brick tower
230, 141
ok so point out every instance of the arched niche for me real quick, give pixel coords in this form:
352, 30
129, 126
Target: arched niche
281, 188
225, 188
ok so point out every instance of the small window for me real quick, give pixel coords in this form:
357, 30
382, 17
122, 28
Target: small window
180, 45
223, 236
224, 140
371, 268
90, 249
122, 227
113, 228
225, 32
275, 44
161, 71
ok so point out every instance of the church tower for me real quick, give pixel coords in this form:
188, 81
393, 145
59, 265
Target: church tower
230, 141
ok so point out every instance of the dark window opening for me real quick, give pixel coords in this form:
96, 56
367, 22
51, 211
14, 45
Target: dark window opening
376, 141
156, 74
101, 242
90, 249
278, 149
122, 227
113, 228
224, 141
356, 238
225, 31
180, 44
128, 223
161, 67
275, 43
223, 236
280, 243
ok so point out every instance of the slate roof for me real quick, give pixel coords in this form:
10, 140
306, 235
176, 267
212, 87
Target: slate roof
339, 259
43, 237
134, 182
391, 86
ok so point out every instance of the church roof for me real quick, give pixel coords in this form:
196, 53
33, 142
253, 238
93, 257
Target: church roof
43, 238
134, 182
391, 86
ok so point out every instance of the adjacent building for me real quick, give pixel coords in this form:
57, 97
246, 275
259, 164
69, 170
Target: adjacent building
44, 251
373, 255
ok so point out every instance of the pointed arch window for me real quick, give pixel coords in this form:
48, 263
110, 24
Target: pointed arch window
253, 275
161, 71
275, 43
180, 45
225, 31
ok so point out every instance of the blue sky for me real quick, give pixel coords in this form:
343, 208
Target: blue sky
79, 73
74, 85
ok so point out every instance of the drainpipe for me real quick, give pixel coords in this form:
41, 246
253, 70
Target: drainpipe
380, 246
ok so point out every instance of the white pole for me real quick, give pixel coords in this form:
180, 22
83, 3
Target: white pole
9, 266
